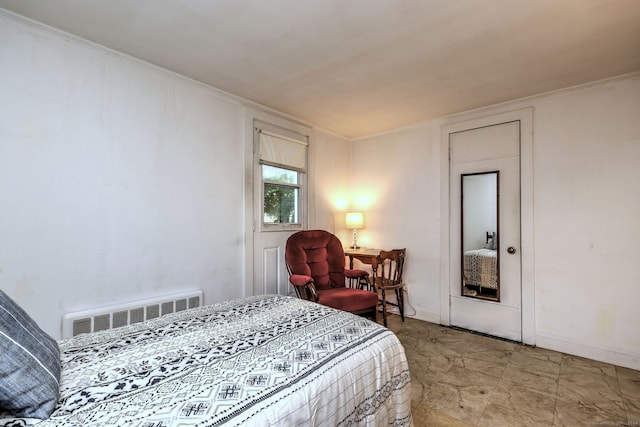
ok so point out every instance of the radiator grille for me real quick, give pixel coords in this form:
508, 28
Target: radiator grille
115, 316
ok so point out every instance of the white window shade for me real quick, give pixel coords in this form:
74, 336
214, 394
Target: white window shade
283, 152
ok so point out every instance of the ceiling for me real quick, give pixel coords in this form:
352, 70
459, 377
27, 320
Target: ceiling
359, 67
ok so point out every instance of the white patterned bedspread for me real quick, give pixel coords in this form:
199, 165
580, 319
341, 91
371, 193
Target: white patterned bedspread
260, 361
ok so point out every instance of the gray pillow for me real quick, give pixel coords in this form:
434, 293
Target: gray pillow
29, 364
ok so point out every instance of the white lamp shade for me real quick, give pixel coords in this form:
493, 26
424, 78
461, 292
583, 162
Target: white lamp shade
355, 220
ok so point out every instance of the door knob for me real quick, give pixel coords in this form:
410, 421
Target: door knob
511, 250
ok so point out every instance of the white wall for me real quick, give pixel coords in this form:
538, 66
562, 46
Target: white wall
330, 158
586, 210
118, 181
395, 181
587, 206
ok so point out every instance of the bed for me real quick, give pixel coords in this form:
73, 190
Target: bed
263, 361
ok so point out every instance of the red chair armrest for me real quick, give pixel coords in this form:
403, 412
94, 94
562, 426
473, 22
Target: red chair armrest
304, 287
300, 280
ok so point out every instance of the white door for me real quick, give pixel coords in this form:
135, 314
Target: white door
270, 232
485, 289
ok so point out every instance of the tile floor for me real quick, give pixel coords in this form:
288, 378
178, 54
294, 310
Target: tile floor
463, 379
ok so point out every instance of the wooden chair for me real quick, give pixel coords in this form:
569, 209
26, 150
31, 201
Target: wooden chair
387, 277
316, 265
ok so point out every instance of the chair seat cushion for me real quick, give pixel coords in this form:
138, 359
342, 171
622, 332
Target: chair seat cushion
355, 273
347, 299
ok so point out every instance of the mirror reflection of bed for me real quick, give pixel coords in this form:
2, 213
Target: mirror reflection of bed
480, 270
480, 261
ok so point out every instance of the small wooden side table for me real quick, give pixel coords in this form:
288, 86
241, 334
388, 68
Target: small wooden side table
366, 256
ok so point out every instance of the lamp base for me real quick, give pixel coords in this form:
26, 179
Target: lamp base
355, 240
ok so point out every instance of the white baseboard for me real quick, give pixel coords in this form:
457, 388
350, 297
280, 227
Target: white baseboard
614, 357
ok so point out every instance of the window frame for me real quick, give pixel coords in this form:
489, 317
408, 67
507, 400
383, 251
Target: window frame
300, 202
302, 170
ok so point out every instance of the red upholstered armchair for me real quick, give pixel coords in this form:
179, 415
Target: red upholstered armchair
315, 261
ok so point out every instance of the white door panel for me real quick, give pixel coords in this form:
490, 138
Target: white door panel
486, 143
270, 270
492, 318
271, 275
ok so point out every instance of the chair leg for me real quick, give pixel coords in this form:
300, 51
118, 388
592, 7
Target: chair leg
400, 300
384, 308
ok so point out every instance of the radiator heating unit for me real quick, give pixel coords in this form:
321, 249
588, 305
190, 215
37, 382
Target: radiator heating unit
114, 316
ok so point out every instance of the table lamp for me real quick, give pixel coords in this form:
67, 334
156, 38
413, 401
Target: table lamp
355, 220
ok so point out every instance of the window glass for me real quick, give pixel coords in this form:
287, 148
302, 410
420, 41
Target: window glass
274, 174
281, 196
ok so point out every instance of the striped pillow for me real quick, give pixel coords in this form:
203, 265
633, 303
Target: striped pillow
29, 364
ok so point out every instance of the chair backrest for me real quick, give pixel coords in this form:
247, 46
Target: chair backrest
319, 254
390, 266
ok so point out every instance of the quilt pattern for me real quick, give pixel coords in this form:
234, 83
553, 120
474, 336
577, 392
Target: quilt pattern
264, 360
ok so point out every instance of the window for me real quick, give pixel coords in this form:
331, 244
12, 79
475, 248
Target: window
281, 195
283, 162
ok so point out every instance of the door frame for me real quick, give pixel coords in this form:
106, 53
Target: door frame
525, 116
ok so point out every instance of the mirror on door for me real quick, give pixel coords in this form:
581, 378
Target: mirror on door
480, 236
